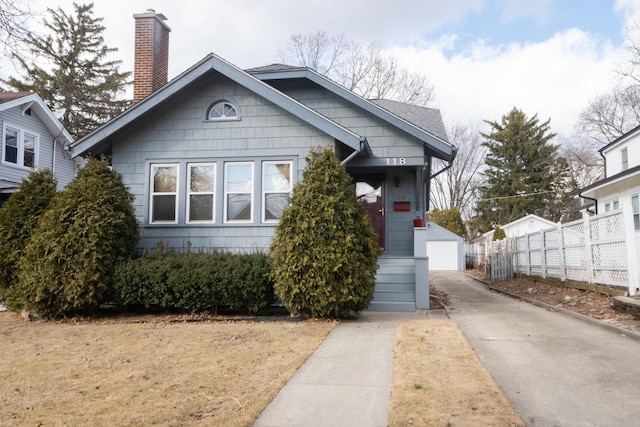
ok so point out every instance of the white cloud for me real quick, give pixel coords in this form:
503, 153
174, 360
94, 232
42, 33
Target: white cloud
554, 79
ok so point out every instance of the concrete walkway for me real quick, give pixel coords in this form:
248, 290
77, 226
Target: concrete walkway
556, 370
347, 380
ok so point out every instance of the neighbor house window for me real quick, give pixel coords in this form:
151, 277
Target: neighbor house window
611, 205
276, 188
19, 147
164, 193
201, 192
625, 159
635, 206
238, 191
223, 110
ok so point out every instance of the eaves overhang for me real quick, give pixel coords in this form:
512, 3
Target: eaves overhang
435, 146
590, 190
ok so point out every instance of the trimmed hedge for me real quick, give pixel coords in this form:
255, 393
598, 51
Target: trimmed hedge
195, 282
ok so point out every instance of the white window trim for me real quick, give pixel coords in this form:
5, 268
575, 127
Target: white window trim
191, 193
223, 118
251, 192
637, 197
608, 204
265, 192
153, 193
20, 147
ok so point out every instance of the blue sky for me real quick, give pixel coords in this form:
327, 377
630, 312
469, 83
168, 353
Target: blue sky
497, 23
547, 57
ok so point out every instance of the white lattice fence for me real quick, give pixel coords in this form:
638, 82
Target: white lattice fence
599, 249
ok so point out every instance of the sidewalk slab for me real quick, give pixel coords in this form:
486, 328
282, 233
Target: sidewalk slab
346, 381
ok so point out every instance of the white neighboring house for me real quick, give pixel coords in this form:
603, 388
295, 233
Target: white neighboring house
32, 139
621, 183
526, 225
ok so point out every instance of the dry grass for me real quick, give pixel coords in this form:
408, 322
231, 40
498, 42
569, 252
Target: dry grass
124, 374
439, 381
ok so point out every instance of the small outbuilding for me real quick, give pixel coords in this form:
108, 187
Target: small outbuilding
445, 249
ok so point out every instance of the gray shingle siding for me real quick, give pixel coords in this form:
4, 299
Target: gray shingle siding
179, 134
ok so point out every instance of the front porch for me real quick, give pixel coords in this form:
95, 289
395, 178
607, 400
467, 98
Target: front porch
402, 282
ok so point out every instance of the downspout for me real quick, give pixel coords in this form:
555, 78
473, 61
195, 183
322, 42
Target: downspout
351, 156
595, 201
430, 177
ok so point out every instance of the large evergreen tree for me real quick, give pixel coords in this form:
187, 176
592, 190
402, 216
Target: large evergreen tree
77, 78
324, 255
524, 173
87, 229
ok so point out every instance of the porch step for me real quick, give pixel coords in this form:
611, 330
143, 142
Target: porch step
395, 285
392, 306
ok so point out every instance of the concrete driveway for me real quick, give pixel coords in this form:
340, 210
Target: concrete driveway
555, 370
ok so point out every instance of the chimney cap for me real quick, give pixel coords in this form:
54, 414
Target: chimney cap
150, 13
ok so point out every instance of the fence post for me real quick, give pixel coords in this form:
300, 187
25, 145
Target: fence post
630, 244
527, 252
543, 255
588, 256
563, 272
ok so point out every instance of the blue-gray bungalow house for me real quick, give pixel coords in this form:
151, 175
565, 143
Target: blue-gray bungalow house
212, 156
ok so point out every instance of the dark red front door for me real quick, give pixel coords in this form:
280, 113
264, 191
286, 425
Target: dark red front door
370, 193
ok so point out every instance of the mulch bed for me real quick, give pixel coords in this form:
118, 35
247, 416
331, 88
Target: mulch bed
595, 305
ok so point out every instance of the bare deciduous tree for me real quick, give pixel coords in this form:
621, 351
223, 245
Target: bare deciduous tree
456, 187
367, 70
14, 17
610, 115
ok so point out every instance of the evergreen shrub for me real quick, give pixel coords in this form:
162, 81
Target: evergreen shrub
195, 282
18, 219
324, 253
88, 228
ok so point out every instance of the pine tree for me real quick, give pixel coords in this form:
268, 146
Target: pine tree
524, 173
88, 228
80, 79
324, 254
18, 219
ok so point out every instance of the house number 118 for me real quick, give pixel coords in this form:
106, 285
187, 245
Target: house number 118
395, 161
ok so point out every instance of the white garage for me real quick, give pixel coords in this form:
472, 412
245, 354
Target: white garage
444, 248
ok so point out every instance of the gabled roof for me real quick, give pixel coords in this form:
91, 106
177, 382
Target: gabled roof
620, 139
210, 63
436, 145
428, 119
26, 100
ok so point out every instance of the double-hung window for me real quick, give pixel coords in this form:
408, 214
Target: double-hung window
164, 193
19, 147
238, 191
201, 188
276, 188
635, 206
611, 205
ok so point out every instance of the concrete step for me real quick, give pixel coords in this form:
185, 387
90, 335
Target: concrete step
395, 287
394, 296
392, 306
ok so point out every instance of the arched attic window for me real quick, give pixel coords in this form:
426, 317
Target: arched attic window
223, 110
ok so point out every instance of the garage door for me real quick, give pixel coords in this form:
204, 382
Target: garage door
443, 255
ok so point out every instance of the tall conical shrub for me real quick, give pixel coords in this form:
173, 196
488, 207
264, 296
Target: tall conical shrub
18, 219
89, 227
324, 253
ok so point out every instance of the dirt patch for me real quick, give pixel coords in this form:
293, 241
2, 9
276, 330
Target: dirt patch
593, 304
439, 381
147, 370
